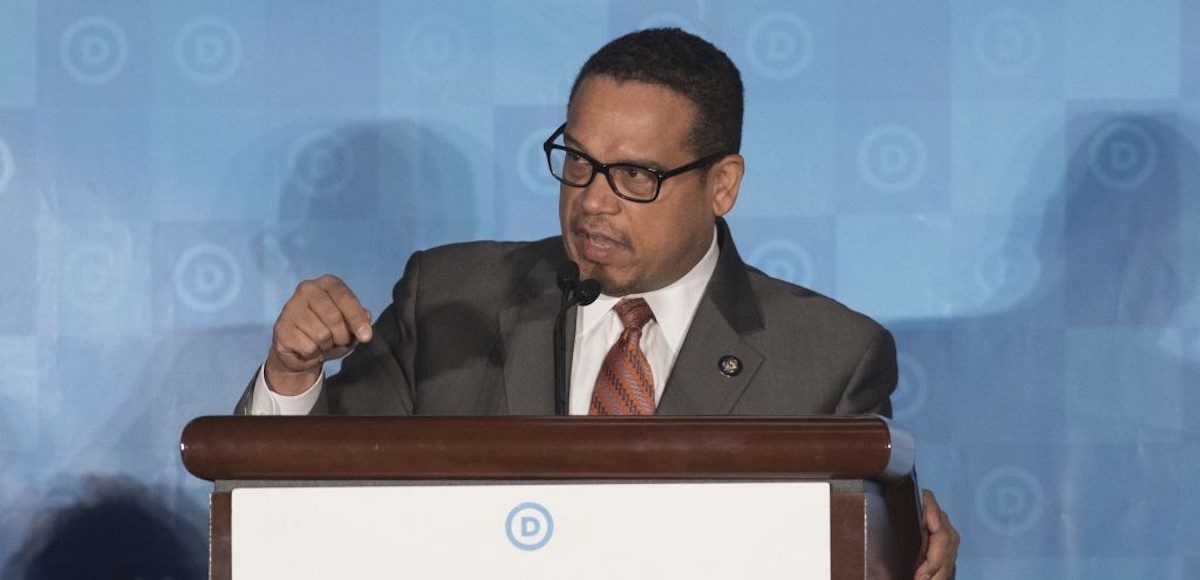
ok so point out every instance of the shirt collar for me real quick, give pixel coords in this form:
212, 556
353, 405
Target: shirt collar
673, 305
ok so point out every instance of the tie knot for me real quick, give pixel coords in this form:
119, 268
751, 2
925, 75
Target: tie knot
633, 312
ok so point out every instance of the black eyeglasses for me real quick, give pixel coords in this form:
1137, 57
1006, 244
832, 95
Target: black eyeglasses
631, 182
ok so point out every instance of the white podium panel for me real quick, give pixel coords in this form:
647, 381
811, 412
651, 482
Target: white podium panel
584, 531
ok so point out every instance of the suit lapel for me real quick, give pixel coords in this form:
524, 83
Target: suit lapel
527, 334
727, 314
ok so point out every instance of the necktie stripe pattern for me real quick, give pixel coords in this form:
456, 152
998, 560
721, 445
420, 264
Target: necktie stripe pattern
625, 385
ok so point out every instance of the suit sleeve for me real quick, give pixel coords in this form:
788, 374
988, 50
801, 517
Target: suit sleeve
378, 378
873, 381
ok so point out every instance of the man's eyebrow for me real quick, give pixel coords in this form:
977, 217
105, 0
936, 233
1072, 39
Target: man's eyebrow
575, 144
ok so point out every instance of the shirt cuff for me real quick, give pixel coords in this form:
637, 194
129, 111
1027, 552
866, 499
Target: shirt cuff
264, 401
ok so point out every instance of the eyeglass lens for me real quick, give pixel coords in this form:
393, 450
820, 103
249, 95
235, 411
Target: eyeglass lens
629, 180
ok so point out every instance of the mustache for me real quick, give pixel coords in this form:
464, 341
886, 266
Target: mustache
582, 224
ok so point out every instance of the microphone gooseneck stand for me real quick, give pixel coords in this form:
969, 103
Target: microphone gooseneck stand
574, 291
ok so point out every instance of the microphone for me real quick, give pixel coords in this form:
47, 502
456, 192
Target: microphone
568, 276
574, 291
587, 291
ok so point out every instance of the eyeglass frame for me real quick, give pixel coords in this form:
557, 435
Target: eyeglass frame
598, 167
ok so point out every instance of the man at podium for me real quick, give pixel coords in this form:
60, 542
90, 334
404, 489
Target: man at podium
648, 160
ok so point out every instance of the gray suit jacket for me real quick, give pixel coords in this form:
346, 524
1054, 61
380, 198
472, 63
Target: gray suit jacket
470, 332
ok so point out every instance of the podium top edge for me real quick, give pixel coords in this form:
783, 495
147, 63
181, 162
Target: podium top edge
546, 447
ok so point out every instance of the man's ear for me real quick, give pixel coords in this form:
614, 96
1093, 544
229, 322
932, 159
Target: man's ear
724, 180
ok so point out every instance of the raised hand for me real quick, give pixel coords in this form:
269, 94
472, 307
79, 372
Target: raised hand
323, 320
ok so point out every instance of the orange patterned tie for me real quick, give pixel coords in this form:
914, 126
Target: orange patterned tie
625, 385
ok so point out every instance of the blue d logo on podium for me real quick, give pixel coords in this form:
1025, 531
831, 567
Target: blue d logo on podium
529, 526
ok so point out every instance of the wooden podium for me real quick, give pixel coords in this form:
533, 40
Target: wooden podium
869, 463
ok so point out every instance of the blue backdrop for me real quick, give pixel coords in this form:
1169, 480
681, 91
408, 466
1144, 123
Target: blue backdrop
1011, 187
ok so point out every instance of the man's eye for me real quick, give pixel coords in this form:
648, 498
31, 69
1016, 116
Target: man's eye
636, 174
576, 159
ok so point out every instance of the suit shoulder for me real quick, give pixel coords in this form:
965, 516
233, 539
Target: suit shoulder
790, 304
475, 267
478, 257
468, 251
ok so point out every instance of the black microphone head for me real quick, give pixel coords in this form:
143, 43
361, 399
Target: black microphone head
588, 291
568, 276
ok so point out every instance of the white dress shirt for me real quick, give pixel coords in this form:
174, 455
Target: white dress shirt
597, 328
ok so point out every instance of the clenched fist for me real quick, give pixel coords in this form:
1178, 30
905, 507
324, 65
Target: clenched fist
322, 321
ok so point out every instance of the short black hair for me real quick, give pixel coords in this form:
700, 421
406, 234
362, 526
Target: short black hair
686, 64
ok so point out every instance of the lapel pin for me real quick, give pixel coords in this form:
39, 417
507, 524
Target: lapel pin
730, 365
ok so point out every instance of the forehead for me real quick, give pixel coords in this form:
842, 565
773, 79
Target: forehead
630, 120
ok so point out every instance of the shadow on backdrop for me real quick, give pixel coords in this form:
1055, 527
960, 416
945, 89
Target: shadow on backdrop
353, 199
1082, 392
112, 529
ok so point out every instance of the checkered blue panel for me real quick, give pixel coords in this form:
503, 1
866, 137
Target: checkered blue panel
1013, 188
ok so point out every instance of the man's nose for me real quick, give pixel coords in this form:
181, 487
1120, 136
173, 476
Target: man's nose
599, 197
